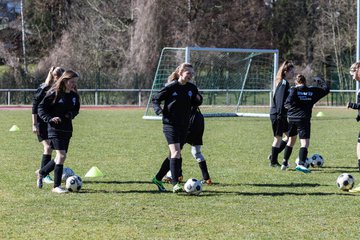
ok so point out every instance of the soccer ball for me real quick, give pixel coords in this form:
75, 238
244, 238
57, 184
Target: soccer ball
73, 183
67, 172
317, 160
306, 164
345, 182
193, 186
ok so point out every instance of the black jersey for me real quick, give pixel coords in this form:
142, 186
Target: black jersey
196, 128
302, 99
66, 106
280, 95
178, 103
38, 97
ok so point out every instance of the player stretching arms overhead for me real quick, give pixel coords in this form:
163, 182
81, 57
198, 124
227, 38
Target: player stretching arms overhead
179, 97
300, 103
278, 113
355, 73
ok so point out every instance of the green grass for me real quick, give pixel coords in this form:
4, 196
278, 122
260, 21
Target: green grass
249, 200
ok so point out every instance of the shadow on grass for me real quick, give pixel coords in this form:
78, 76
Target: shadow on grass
275, 194
337, 169
283, 185
116, 182
211, 193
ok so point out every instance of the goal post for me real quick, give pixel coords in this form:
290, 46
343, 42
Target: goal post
233, 82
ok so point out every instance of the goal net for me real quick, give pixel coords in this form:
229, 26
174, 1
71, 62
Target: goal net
233, 82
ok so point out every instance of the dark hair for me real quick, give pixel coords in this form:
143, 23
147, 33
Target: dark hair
300, 79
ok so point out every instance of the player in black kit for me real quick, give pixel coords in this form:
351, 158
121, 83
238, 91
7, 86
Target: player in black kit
278, 113
300, 103
355, 73
195, 139
39, 127
60, 105
179, 97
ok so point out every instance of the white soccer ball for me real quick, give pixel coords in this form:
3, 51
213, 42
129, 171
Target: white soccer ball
306, 164
67, 172
345, 182
73, 183
193, 186
317, 160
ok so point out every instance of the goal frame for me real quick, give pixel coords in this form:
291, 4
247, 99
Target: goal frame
187, 58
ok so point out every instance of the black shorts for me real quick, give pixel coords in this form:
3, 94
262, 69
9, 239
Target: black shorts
302, 127
60, 143
279, 126
43, 132
175, 134
196, 130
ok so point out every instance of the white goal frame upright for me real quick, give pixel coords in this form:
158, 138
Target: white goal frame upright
238, 66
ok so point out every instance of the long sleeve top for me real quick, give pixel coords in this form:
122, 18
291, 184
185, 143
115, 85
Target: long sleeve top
302, 99
65, 106
178, 102
38, 97
280, 95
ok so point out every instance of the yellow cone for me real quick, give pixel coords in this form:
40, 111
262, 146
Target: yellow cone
320, 114
14, 128
94, 172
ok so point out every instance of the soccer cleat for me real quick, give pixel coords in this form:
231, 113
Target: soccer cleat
207, 182
275, 164
284, 165
303, 169
167, 179
159, 184
39, 181
48, 180
59, 190
177, 188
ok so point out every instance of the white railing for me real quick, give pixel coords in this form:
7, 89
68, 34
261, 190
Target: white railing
140, 100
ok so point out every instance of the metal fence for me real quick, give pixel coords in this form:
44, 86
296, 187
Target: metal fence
139, 97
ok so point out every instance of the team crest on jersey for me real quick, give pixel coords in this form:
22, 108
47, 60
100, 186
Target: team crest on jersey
74, 101
190, 93
174, 94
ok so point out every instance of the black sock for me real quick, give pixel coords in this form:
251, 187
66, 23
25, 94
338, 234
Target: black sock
282, 146
287, 154
49, 167
165, 166
174, 168
180, 166
303, 152
204, 170
58, 171
45, 160
274, 155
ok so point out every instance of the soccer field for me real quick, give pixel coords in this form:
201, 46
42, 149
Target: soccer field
248, 200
